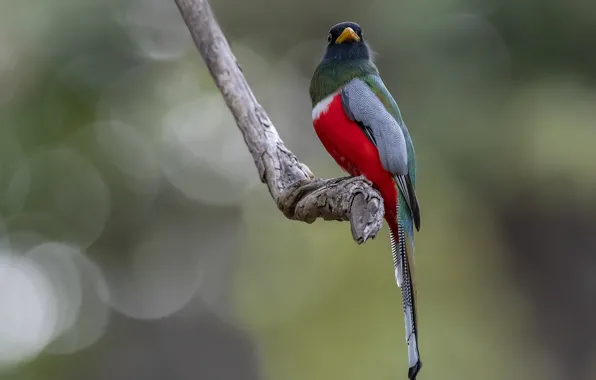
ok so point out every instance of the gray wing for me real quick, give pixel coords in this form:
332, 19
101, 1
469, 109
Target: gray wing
363, 106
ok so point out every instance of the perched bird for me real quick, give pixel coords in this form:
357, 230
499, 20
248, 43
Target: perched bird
360, 125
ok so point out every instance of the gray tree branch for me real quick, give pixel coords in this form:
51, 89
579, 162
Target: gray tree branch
295, 190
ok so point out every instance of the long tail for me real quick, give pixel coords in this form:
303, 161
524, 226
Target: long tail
403, 277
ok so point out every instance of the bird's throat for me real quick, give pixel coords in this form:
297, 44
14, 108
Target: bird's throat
331, 75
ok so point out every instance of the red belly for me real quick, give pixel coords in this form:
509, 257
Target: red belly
353, 151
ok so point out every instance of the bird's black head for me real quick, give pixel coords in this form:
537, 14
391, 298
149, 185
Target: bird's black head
346, 42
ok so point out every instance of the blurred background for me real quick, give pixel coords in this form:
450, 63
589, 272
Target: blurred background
136, 241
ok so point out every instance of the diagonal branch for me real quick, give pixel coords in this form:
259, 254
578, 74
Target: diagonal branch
291, 184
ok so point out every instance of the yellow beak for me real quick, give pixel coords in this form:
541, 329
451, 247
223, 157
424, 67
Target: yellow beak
347, 35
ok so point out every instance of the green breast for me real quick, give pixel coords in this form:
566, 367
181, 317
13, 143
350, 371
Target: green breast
330, 76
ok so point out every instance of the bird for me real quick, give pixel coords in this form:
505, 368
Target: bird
360, 125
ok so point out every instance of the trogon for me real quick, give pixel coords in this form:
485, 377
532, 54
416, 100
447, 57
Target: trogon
361, 127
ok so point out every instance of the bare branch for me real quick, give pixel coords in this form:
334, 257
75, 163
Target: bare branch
291, 184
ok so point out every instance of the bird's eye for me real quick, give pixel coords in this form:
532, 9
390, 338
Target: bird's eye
329, 38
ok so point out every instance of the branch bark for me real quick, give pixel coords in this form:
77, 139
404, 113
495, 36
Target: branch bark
293, 187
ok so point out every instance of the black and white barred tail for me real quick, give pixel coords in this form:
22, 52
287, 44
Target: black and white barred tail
403, 277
